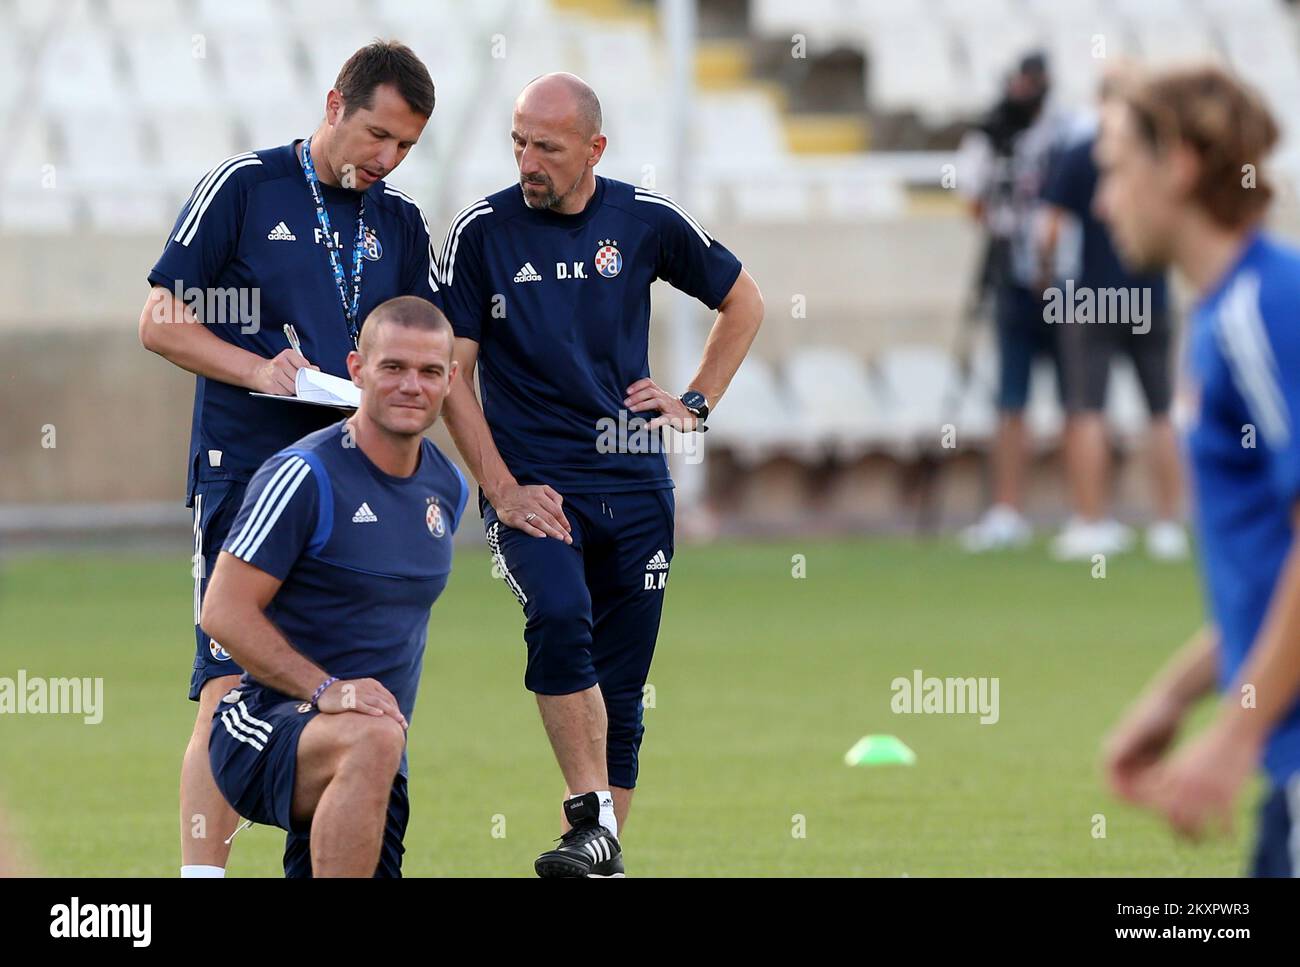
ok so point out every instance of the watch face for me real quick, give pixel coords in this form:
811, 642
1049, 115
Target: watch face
693, 400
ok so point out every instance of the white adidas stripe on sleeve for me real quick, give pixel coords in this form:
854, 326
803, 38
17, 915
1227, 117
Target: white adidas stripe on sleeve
1251, 360
452, 242
270, 505
433, 256
207, 190
655, 198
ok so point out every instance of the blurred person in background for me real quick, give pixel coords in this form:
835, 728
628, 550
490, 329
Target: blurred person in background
1007, 160
1180, 156
1087, 345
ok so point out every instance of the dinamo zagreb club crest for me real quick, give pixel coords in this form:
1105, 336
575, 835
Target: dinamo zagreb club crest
609, 260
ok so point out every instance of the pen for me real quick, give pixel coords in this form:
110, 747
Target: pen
292, 336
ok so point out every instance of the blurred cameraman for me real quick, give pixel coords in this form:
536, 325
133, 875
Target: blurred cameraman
1005, 160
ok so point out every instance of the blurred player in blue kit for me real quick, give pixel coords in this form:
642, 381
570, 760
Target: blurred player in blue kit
1181, 184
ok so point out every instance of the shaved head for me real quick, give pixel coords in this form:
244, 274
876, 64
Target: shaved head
556, 131
553, 93
404, 366
407, 311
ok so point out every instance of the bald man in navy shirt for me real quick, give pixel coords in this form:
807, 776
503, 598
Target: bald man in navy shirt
547, 284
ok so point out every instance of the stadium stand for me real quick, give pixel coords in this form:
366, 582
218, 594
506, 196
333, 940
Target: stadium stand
818, 138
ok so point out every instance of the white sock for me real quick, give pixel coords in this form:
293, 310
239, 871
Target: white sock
203, 872
607, 817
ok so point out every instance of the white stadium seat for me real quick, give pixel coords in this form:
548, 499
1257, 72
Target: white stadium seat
775, 196
38, 15
333, 14
1155, 11
761, 418
978, 395
923, 390
14, 58
740, 127
1175, 41
256, 69
29, 148
853, 193
456, 59
427, 14
144, 15
254, 15
621, 62
831, 392
1068, 11
129, 210
960, 12
1259, 12
1267, 58
910, 68
170, 68
1080, 51
75, 69
93, 137
824, 23
328, 46
277, 125
190, 142
24, 211
873, 12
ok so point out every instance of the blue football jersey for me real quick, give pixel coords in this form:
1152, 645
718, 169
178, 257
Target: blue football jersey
247, 251
1242, 370
363, 555
560, 307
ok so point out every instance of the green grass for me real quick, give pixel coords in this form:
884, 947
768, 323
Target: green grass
762, 682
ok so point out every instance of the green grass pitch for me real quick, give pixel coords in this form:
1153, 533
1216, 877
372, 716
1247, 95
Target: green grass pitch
762, 682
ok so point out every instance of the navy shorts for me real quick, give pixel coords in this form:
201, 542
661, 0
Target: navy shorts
1277, 842
1023, 336
592, 607
253, 749
216, 505
1087, 351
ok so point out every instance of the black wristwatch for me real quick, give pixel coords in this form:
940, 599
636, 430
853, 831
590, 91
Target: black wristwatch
694, 401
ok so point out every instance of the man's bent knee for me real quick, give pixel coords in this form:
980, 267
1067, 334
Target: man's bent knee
380, 735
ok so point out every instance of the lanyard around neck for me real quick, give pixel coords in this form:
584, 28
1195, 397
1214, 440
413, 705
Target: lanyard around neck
351, 307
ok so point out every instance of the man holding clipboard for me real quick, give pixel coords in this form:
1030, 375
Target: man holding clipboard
307, 234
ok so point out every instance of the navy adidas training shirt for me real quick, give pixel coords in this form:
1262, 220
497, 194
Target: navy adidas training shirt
362, 555
249, 230
560, 307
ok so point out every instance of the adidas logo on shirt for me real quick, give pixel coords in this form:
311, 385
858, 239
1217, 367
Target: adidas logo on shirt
656, 582
528, 274
281, 233
365, 515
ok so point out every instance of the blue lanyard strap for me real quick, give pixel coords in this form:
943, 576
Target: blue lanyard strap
352, 308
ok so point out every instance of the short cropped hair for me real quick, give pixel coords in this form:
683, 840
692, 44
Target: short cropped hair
409, 312
385, 62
